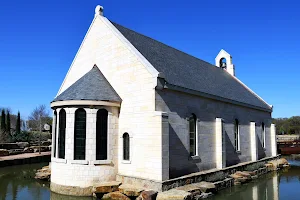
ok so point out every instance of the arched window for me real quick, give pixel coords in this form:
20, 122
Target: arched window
263, 135
80, 134
193, 135
101, 135
62, 134
126, 146
54, 134
236, 135
223, 63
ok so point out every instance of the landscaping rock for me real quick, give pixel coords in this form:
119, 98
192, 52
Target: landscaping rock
174, 195
206, 187
283, 161
115, 196
4, 152
235, 176
130, 190
43, 174
203, 196
243, 174
149, 195
107, 187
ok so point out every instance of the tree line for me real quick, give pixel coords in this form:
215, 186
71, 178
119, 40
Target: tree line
287, 125
15, 129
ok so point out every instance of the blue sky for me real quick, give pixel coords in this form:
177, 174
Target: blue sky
39, 39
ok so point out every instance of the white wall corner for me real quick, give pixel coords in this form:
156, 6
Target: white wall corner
220, 144
273, 140
253, 142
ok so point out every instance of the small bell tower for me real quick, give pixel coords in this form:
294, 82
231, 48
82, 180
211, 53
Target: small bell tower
224, 61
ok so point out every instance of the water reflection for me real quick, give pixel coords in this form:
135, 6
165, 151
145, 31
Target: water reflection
265, 188
18, 182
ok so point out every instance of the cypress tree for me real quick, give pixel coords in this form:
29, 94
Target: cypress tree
3, 127
8, 122
18, 125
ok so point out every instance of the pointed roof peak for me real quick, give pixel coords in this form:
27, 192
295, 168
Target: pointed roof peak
91, 86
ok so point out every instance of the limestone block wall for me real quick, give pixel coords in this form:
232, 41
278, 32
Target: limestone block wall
148, 154
134, 82
84, 173
180, 106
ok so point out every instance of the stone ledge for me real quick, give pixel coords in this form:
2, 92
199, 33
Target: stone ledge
71, 190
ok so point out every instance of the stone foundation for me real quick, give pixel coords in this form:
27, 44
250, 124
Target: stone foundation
143, 183
219, 177
71, 190
216, 175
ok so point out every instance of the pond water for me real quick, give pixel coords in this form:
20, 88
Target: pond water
18, 183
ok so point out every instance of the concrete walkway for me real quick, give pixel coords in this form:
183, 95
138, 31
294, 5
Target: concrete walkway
26, 158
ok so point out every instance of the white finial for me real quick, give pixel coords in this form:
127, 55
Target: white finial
99, 10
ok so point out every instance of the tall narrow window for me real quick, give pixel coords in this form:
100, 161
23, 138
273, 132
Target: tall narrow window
263, 135
236, 135
101, 135
126, 146
80, 134
192, 132
54, 134
62, 134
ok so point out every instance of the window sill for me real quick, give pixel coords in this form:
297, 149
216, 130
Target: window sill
101, 162
126, 161
194, 158
79, 162
59, 160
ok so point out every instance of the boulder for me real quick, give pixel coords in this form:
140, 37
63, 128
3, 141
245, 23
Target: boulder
130, 190
106, 187
4, 152
206, 187
243, 174
149, 195
174, 195
282, 162
235, 176
203, 196
115, 196
43, 174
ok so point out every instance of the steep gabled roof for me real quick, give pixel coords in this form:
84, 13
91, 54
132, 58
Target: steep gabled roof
92, 86
183, 70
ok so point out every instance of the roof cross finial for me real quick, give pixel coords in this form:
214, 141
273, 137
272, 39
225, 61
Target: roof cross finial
99, 10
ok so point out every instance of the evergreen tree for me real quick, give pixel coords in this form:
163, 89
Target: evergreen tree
8, 122
3, 126
18, 124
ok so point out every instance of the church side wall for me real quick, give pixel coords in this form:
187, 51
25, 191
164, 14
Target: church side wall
180, 106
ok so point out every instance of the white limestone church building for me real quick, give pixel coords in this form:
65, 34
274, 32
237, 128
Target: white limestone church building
133, 109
